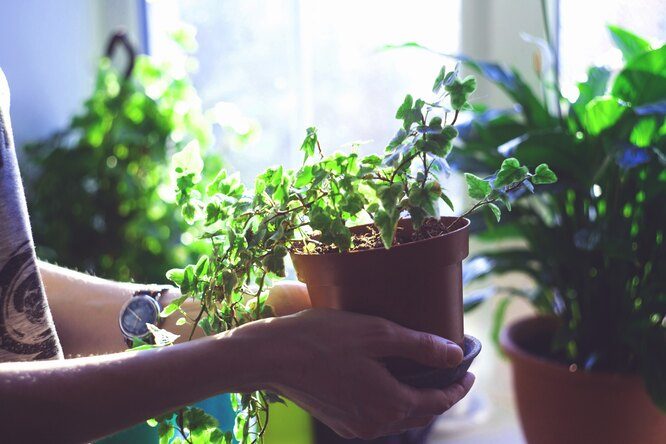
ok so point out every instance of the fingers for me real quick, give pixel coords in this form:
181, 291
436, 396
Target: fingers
424, 348
288, 297
437, 401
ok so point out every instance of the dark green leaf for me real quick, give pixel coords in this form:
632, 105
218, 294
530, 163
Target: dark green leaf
543, 175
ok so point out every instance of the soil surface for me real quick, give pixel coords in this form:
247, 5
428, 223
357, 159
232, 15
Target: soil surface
368, 237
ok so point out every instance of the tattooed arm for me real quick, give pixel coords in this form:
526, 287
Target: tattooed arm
85, 309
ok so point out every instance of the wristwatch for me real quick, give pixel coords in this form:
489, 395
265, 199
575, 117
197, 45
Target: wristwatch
141, 309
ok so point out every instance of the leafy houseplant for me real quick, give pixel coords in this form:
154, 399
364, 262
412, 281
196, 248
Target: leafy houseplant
593, 244
117, 219
318, 211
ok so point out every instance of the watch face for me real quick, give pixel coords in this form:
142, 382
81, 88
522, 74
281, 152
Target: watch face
139, 311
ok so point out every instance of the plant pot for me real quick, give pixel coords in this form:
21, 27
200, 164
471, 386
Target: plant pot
417, 285
557, 405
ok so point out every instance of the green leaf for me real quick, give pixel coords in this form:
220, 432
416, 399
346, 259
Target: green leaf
275, 264
477, 188
389, 195
176, 275
201, 268
165, 432
439, 81
602, 113
405, 107
387, 225
447, 201
309, 143
399, 137
629, 43
496, 211
510, 173
425, 198
543, 175
188, 160
643, 79
594, 86
643, 132
152, 422
172, 307
229, 280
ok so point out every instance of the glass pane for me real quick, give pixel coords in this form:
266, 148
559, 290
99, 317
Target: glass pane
291, 64
585, 41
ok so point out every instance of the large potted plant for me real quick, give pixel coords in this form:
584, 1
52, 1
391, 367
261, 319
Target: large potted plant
340, 216
586, 367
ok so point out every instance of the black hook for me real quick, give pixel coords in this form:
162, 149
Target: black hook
120, 38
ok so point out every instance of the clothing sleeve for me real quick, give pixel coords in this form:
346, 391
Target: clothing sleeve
26, 326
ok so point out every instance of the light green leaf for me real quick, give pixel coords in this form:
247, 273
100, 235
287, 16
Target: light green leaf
172, 307
643, 132
601, 113
629, 43
477, 188
309, 143
176, 275
188, 160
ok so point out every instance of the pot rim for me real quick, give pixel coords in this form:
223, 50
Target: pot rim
465, 225
549, 366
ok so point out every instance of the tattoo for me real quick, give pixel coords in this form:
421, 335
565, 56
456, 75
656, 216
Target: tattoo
26, 332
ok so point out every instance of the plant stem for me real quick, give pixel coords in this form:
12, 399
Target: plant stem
455, 118
402, 164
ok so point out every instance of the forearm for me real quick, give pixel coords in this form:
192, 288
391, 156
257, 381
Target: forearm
78, 400
85, 310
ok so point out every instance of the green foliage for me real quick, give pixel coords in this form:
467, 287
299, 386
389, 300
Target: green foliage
99, 191
312, 208
594, 242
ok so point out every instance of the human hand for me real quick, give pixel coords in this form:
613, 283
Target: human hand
327, 361
288, 297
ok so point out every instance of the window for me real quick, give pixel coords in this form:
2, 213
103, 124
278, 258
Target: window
290, 64
585, 41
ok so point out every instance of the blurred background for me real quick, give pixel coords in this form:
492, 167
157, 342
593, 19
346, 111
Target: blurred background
243, 79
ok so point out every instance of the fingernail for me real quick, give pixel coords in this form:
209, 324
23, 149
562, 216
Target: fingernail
454, 354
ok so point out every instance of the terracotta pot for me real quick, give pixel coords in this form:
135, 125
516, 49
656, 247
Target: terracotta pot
417, 285
557, 405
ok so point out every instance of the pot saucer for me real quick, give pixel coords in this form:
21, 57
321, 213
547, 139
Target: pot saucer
443, 377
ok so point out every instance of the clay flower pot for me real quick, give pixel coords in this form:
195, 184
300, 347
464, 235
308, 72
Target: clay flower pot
417, 285
557, 405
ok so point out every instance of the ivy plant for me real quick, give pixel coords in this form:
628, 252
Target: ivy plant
252, 231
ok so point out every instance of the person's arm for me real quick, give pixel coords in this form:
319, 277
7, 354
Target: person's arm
85, 309
324, 360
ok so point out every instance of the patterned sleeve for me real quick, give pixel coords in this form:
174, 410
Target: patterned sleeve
26, 327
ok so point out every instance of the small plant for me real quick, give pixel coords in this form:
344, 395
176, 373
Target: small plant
312, 208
